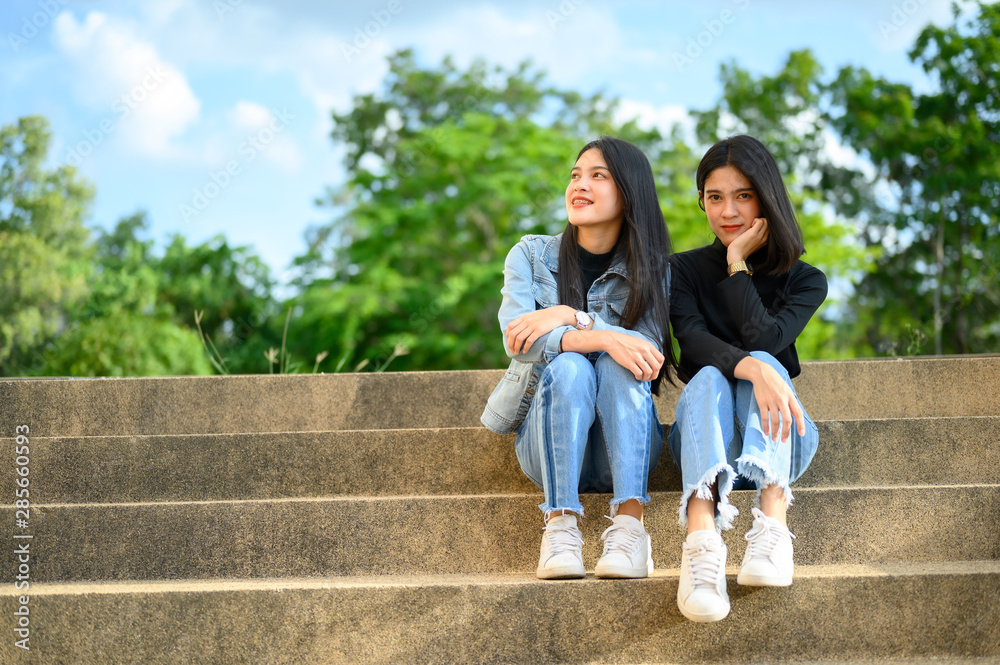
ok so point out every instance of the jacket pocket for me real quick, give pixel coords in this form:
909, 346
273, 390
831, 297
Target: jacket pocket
512, 375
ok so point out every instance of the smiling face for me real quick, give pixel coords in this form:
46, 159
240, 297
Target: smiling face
730, 203
592, 198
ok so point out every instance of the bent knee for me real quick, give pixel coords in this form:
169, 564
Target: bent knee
707, 376
607, 365
569, 368
609, 371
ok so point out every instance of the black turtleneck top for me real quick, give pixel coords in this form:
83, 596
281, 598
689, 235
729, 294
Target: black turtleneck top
593, 266
718, 319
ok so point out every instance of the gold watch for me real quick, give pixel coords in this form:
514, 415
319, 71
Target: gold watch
740, 266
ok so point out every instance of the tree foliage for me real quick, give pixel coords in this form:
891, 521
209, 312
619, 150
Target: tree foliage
937, 156
44, 248
448, 170
79, 302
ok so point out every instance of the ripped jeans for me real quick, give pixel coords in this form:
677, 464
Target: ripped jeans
591, 427
718, 429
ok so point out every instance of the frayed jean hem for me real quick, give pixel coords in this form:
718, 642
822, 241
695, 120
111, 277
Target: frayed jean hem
616, 503
758, 472
725, 512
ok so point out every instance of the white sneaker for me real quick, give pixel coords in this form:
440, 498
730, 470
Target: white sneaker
562, 550
768, 559
701, 592
627, 550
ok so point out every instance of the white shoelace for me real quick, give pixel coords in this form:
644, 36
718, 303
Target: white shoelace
563, 538
762, 538
707, 564
620, 537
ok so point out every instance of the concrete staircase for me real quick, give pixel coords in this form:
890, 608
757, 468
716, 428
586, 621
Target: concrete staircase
371, 519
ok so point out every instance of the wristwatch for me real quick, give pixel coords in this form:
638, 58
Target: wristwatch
740, 266
583, 320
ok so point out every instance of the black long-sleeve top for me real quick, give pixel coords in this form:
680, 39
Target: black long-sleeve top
718, 319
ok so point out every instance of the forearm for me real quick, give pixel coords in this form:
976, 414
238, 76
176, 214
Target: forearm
700, 348
635, 353
585, 341
748, 369
641, 332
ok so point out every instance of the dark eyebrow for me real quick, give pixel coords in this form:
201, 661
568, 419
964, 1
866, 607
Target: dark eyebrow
719, 191
592, 168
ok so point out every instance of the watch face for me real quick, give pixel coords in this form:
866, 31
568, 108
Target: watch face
583, 319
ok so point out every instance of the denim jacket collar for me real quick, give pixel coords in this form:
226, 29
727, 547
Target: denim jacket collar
550, 258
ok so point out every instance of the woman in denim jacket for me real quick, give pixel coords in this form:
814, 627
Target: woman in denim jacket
737, 307
585, 320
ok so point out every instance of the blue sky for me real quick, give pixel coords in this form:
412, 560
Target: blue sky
214, 115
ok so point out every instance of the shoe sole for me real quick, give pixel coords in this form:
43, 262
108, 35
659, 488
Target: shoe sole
747, 579
704, 618
563, 573
621, 573
612, 572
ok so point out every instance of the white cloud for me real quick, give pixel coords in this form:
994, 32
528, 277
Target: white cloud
325, 61
556, 38
662, 117
258, 125
159, 12
250, 115
148, 101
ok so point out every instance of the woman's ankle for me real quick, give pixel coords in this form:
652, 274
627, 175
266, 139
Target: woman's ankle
701, 514
560, 513
773, 504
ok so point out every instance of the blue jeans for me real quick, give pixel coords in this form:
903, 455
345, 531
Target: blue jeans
718, 429
591, 427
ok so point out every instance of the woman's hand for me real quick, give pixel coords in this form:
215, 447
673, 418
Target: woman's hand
636, 355
774, 397
748, 242
525, 329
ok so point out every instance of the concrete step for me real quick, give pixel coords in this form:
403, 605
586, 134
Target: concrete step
123, 469
831, 390
469, 534
901, 612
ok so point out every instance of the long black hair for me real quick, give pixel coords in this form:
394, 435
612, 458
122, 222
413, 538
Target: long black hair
752, 158
643, 241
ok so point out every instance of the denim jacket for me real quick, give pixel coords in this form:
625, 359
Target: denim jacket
530, 283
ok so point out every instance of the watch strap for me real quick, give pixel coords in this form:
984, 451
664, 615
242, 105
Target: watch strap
739, 266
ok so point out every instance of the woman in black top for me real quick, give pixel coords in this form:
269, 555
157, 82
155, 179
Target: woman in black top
737, 306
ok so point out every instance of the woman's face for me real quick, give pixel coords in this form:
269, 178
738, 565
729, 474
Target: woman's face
592, 198
730, 203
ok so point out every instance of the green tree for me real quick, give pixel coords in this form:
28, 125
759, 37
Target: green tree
448, 169
937, 156
44, 245
124, 327
231, 288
